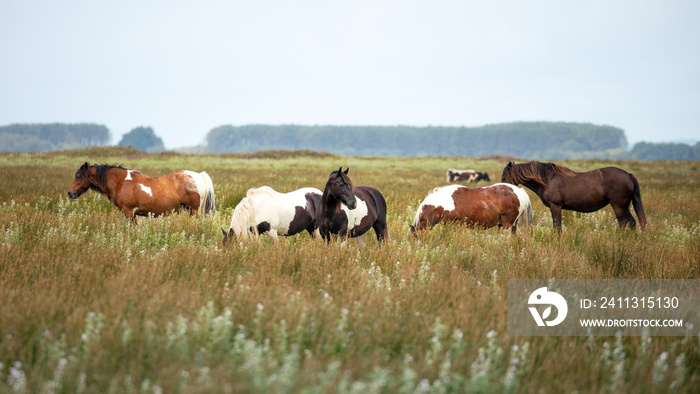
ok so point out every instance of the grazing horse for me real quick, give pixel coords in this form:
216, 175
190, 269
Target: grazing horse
481, 207
348, 210
467, 176
266, 211
137, 194
561, 188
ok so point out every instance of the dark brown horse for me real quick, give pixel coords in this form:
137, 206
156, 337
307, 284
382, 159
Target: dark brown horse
348, 210
137, 194
501, 204
561, 188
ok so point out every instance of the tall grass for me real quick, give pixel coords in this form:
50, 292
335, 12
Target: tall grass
90, 302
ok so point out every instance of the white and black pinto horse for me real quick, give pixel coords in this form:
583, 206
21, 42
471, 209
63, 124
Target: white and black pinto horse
266, 211
501, 204
350, 211
467, 176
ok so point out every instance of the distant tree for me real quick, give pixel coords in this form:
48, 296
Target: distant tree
143, 138
662, 151
51, 136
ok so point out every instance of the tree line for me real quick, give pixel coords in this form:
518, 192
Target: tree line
533, 140
51, 136
62, 136
554, 140
665, 151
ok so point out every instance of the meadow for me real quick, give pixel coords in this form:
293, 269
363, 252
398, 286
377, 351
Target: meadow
90, 302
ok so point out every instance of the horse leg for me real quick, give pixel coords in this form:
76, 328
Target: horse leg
361, 241
556, 216
624, 216
191, 202
313, 231
129, 213
325, 235
273, 234
512, 224
382, 232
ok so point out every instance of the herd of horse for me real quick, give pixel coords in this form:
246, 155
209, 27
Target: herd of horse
345, 210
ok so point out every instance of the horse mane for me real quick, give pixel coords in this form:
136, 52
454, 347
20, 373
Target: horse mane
243, 218
262, 191
101, 171
537, 172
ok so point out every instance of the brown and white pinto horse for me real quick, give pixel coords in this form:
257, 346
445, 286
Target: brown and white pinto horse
561, 188
137, 194
348, 210
480, 207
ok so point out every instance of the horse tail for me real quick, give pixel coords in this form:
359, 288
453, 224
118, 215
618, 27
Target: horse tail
637, 203
416, 221
525, 214
527, 219
207, 201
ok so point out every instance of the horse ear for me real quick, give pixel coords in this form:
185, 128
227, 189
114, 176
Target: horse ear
86, 165
223, 232
346, 171
340, 169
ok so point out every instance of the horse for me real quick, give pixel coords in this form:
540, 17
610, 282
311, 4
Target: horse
561, 188
347, 210
138, 195
466, 175
266, 211
500, 204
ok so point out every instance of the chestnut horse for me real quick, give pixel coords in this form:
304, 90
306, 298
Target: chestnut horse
561, 188
137, 194
501, 204
348, 210
266, 211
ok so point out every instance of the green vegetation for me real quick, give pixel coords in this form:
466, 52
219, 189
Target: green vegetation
51, 137
521, 139
93, 303
143, 138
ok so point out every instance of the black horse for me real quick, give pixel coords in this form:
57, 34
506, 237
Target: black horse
561, 188
350, 211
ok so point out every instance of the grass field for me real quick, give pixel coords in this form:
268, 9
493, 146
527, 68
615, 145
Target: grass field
90, 302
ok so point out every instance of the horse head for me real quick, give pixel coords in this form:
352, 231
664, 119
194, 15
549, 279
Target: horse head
339, 186
82, 181
228, 236
507, 176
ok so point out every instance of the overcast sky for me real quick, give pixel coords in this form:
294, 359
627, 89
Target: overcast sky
184, 67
